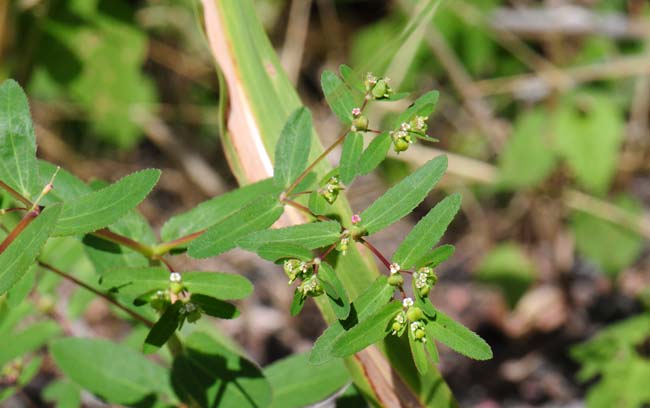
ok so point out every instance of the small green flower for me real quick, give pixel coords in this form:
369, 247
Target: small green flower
401, 140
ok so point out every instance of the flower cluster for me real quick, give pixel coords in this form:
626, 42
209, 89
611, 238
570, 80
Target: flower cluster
330, 191
297, 269
190, 311
424, 279
359, 121
412, 317
403, 136
377, 87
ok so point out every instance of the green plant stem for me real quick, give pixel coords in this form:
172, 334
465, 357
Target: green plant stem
165, 247
15, 194
110, 236
103, 295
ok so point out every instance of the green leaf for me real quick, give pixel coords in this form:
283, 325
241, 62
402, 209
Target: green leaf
222, 237
418, 353
317, 203
457, 337
311, 235
275, 252
350, 156
338, 96
336, 294
351, 78
292, 149
212, 375
136, 281
436, 257
297, 384
527, 159
610, 246
427, 232
423, 106
589, 130
215, 210
63, 394
114, 372
430, 346
103, 207
30, 339
21, 253
402, 198
220, 285
297, 303
371, 300
366, 332
215, 307
18, 166
163, 329
375, 153
507, 267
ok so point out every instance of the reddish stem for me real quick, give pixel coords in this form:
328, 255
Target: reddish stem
27, 219
305, 209
15, 194
377, 253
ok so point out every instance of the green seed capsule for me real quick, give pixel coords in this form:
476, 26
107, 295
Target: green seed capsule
419, 334
360, 123
396, 326
424, 291
396, 279
414, 314
176, 287
400, 145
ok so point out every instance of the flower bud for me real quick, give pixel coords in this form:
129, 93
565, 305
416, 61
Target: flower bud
330, 190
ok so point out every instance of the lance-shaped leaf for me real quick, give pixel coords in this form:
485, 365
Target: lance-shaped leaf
338, 96
103, 207
296, 384
317, 203
436, 257
220, 285
402, 198
212, 375
215, 210
457, 337
371, 300
310, 236
375, 153
334, 291
427, 232
275, 252
163, 329
16, 259
350, 156
136, 281
114, 372
418, 353
18, 167
423, 106
215, 307
63, 393
222, 237
292, 150
16, 344
367, 332
432, 350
